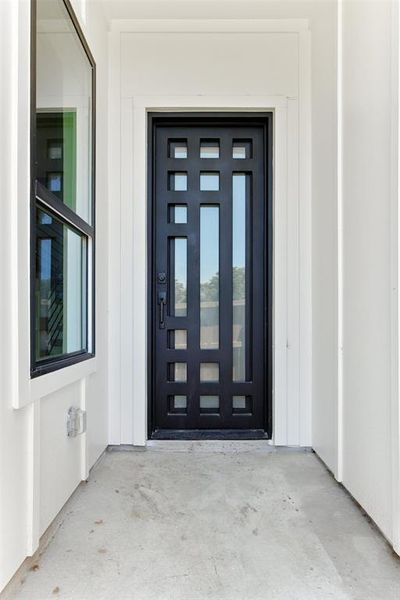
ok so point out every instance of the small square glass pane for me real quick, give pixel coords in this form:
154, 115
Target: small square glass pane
180, 401
178, 149
239, 402
54, 182
177, 339
241, 149
177, 371
209, 404
177, 404
45, 219
54, 150
209, 149
178, 213
178, 182
209, 182
209, 372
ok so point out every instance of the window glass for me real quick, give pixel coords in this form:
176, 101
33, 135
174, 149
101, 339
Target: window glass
209, 277
62, 171
239, 275
60, 288
63, 109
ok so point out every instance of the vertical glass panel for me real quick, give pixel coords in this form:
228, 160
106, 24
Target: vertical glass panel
209, 372
178, 254
178, 213
63, 109
209, 149
209, 182
209, 277
209, 404
177, 371
60, 288
178, 182
178, 149
239, 276
177, 404
177, 339
241, 149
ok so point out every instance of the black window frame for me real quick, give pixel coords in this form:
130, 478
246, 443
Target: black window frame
41, 197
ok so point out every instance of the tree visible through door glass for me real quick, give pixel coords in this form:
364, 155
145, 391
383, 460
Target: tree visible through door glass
209, 277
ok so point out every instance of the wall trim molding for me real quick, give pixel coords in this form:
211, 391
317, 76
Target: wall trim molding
209, 25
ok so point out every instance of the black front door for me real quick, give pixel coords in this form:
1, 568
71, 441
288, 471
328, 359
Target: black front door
210, 276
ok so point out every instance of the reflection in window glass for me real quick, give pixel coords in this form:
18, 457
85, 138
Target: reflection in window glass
54, 183
64, 107
60, 288
55, 150
209, 277
239, 276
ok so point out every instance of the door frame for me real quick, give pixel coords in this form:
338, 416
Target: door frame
217, 118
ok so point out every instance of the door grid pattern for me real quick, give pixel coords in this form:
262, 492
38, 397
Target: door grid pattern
209, 284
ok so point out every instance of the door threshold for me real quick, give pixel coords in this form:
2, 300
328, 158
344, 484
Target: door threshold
209, 434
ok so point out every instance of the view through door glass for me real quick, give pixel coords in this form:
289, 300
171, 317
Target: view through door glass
210, 277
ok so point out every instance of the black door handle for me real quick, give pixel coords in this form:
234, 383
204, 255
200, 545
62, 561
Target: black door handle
162, 301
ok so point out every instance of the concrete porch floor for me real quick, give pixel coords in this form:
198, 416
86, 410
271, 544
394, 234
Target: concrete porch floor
212, 521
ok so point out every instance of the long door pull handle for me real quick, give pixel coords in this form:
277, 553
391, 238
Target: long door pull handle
162, 301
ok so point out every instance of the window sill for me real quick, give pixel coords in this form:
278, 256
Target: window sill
60, 378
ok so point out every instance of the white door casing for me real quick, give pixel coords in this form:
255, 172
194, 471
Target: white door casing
291, 246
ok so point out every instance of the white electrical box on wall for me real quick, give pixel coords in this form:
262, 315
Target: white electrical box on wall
76, 421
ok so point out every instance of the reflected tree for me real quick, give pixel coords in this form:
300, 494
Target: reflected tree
209, 290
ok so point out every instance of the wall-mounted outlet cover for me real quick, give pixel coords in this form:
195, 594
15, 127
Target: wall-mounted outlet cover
76, 421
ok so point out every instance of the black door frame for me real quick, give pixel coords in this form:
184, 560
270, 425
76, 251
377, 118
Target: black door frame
212, 118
